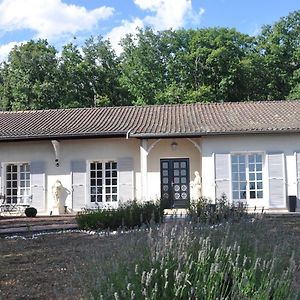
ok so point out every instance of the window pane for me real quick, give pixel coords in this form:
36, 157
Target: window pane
235, 176
242, 176
251, 167
242, 159
114, 165
251, 159
93, 198
259, 176
260, 194
243, 195
259, 185
235, 186
165, 165
235, 195
259, 167
93, 166
252, 195
99, 198
251, 176
258, 158
252, 185
243, 186
234, 168
114, 198
242, 168
234, 159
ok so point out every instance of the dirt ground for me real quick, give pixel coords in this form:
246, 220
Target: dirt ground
44, 268
53, 266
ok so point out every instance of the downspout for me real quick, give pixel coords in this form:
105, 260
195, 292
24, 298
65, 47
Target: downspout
128, 133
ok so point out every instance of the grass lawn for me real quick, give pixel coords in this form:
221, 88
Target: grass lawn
140, 264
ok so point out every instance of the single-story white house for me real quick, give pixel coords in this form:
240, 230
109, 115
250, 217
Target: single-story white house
93, 157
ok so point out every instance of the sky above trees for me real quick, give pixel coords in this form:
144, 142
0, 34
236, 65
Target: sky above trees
59, 21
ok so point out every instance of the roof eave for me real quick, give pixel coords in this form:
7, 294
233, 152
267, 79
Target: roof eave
63, 136
211, 133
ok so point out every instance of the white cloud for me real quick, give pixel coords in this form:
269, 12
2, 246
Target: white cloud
6, 48
161, 15
169, 13
50, 18
119, 32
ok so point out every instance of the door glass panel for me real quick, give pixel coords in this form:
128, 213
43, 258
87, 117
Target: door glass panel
183, 165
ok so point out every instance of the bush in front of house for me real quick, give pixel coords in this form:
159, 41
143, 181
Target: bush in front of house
30, 212
204, 211
128, 215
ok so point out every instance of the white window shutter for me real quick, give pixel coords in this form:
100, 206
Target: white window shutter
2, 192
277, 188
78, 172
37, 173
222, 175
298, 178
125, 167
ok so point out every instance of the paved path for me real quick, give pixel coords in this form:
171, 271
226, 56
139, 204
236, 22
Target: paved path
24, 225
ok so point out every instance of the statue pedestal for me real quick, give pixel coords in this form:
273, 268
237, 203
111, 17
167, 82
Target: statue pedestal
55, 211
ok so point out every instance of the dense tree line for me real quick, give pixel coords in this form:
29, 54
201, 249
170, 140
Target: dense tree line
172, 66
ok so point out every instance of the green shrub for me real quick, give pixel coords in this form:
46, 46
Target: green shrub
128, 215
204, 211
30, 212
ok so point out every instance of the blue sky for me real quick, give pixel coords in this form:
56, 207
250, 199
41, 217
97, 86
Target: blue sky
60, 20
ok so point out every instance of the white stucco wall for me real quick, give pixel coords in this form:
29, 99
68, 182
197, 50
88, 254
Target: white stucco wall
114, 148
86, 149
264, 143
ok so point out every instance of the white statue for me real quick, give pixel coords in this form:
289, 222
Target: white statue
196, 186
56, 192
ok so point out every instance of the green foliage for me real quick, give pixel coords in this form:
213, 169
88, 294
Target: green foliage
128, 215
30, 78
171, 66
179, 262
30, 212
204, 211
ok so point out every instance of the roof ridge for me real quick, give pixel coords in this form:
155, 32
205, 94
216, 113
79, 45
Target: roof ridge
224, 103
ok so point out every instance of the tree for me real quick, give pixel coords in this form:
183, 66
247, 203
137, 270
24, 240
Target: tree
103, 70
30, 78
76, 90
279, 46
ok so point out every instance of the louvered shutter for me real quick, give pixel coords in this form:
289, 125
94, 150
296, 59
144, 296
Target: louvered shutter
222, 175
298, 178
125, 167
37, 171
1, 183
78, 173
277, 188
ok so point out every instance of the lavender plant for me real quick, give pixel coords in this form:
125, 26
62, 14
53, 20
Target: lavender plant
179, 262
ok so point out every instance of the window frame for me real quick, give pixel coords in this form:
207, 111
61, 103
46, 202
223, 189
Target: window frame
247, 173
21, 199
104, 185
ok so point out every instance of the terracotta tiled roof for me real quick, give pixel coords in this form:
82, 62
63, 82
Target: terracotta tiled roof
153, 121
